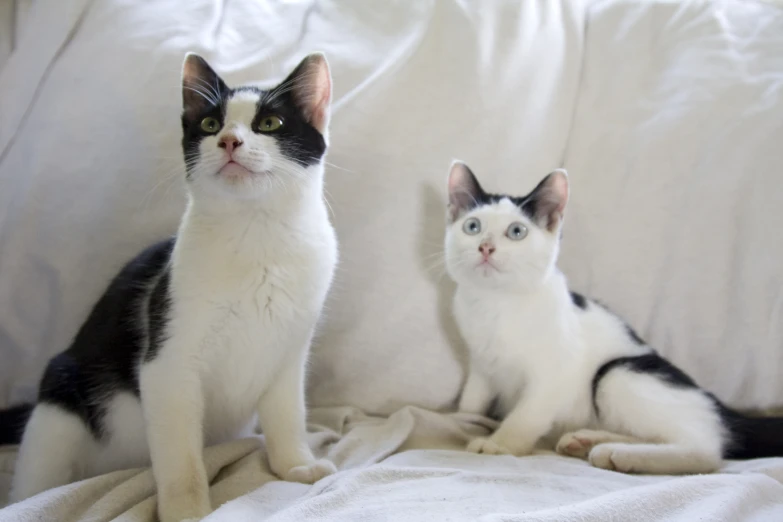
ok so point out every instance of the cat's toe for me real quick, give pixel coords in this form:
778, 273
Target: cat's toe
310, 473
574, 445
486, 446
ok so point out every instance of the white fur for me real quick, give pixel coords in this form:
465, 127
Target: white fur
251, 268
538, 353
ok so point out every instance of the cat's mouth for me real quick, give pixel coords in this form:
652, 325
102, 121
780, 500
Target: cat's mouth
487, 266
234, 170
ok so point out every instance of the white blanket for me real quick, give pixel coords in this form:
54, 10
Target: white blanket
389, 471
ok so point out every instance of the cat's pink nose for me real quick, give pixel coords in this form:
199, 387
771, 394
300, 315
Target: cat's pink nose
486, 249
229, 142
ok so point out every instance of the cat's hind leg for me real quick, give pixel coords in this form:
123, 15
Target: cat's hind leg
653, 459
579, 443
679, 423
54, 451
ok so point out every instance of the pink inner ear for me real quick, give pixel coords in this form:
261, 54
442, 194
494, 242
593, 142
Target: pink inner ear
457, 177
191, 69
322, 92
559, 190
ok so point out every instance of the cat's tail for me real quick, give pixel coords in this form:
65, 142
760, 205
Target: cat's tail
12, 423
753, 437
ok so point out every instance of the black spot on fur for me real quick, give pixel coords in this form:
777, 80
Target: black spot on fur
751, 437
297, 139
634, 336
650, 363
579, 300
12, 423
105, 355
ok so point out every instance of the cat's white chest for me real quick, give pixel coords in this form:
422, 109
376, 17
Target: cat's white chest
511, 341
494, 345
243, 317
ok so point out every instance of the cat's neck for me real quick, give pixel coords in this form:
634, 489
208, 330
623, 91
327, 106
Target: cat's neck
550, 295
248, 228
553, 283
279, 206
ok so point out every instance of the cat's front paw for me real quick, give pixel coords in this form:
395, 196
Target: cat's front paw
487, 446
310, 473
575, 444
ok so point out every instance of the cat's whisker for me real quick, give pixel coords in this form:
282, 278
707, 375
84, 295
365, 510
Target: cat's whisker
204, 95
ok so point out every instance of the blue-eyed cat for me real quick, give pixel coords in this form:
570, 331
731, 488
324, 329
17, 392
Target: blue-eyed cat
564, 370
202, 332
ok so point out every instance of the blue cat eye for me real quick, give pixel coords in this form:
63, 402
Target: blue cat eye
471, 226
516, 231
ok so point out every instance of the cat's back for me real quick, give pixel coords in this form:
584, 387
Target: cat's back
606, 335
117, 323
106, 351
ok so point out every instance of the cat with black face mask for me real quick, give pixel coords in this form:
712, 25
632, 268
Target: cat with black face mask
565, 370
201, 333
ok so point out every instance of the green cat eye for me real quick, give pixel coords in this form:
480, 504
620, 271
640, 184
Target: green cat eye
210, 124
270, 123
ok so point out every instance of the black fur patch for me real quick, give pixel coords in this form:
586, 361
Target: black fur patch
579, 300
297, 139
650, 363
205, 96
12, 423
634, 336
158, 315
528, 203
104, 357
751, 437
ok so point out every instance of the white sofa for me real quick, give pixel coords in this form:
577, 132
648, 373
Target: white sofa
668, 116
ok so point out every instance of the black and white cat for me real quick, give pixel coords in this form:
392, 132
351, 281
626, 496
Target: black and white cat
561, 365
201, 332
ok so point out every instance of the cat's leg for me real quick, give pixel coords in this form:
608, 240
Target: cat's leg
579, 443
477, 394
655, 459
173, 405
282, 416
682, 430
54, 450
531, 418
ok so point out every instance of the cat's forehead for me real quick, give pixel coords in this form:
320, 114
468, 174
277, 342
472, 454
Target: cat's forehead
243, 104
500, 208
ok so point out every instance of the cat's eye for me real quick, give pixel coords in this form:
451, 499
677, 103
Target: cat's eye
210, 125
471, 226
516, 231
270, 123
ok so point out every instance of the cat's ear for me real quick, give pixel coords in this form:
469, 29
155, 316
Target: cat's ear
202, 88
547, 203
311, 90
464, 190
